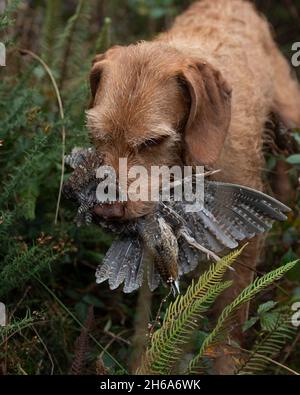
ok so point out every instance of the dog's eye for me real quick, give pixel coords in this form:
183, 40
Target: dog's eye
153, 142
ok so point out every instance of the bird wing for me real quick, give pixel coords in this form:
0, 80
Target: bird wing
122, 263
230, 213
233, 213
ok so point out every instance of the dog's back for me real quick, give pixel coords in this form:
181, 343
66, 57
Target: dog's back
234, 38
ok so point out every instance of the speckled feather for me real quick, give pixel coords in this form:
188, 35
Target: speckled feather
168, 236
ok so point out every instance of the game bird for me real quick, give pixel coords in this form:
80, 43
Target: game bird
170, 241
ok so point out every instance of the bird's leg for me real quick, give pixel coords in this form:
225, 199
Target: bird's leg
174, 286
192, 242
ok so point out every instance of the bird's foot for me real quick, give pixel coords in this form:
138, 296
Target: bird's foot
193, 243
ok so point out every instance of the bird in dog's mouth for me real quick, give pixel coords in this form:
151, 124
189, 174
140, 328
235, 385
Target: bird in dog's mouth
171, 240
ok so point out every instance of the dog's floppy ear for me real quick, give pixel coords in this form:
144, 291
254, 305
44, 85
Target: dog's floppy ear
210, 112
95, 76
97, 67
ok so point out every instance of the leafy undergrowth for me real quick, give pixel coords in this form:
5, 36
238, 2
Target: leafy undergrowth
58, 320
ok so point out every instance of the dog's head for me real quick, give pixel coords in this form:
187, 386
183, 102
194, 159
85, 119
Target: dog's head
153, 106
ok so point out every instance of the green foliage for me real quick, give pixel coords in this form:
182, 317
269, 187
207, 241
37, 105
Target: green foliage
266, 315
21, 266
15, 326
5, 18
154, 8
71, 39
103, 42
46, 271
294, 159
182, 318
50, 29
223, 323
270, 342
183, 315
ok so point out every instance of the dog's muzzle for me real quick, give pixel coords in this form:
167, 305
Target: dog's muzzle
113, 210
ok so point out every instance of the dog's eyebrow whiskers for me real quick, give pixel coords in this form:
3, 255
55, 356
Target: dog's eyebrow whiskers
158, 134
153, 141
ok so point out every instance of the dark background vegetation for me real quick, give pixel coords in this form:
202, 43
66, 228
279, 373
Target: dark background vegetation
47, 271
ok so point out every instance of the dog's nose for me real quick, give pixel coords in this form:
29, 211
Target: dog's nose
110, 211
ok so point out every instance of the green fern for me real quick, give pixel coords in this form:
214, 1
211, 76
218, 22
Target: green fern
49, 33
182, 318
33, 157
103, 41
15, 326
221, 328
71, 40
267, 347
18, 267
6, 17
210, 278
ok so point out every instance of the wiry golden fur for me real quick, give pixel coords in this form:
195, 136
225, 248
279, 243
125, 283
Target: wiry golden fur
202, 91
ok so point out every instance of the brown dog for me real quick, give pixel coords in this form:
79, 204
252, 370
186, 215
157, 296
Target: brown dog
199, 94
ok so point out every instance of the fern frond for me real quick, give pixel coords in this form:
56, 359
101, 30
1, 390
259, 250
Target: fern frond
268, 347
169, 340
182, 317
7, 220
14, 113
15, 326
33, 157
18, 268
247, 294
209, 278
49, 33
82, 344
70, 42
5, 17
103, 41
